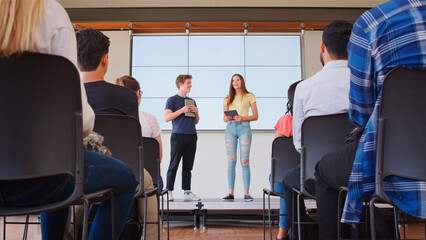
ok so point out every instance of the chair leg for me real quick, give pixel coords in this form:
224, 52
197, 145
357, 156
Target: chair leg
293, 216
73, 219
27, 219
263, 215
145, 217
299, 232
158, 215
112, 216
168, 217
4, 227
396, 223
269, 216
339, 214
366, 218
372, 224
85, 219
162, 210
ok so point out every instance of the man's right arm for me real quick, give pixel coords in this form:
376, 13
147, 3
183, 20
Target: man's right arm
169, 115
361, 92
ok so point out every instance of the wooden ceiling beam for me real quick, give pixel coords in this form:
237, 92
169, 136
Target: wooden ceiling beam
201, 27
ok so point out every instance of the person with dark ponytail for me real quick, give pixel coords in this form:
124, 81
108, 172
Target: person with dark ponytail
284, 128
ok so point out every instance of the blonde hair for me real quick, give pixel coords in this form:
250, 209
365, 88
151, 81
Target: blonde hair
19, 20
129, 82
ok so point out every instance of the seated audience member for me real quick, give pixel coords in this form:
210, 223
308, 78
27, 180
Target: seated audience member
51, 32
107, 98
150, 128
149, 123
383, 38
324, 93
284, 128
103, 97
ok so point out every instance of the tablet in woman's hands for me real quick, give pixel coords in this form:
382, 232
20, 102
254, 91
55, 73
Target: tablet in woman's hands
231, 113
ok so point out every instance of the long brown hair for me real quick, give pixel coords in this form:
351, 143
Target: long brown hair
231, 95
18, 25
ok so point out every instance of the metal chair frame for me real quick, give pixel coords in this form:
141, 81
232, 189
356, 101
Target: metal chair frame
284, 157
405, 88
320, 135
44, 77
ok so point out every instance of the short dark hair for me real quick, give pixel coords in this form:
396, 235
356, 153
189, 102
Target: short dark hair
92, 45
336, 37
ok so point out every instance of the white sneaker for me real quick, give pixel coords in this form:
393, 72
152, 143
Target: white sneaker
190, 197
171, 196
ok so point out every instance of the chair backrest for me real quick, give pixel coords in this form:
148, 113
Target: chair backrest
123, 137
321, 135
41, 126
401, 144
151, 157
40, 123
284, 157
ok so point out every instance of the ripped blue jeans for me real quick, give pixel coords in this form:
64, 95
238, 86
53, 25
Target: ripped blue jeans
238, 132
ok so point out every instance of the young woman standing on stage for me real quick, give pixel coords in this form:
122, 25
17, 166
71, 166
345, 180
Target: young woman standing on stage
238, 130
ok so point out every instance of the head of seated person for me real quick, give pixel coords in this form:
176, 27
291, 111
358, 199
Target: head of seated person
103, 97
334, 41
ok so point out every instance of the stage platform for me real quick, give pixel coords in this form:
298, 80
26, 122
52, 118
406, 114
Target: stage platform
216, 208
217, 204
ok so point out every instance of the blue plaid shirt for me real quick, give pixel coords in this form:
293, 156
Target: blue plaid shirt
390, 35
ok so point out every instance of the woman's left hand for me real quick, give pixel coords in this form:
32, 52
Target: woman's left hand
238, 118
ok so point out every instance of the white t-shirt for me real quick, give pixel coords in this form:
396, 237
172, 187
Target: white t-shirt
149, 125
55, 35
327, 92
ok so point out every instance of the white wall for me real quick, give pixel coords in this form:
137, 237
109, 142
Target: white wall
209, 178
119, 55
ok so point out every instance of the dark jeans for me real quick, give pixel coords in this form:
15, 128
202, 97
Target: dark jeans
292, 180
100, 172
332, 172
181, 145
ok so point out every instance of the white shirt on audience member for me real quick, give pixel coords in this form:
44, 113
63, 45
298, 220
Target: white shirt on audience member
326, 92
55, 35
149, 125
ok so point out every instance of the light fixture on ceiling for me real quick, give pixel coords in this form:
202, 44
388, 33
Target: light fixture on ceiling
187, 26
246, 25
302, 28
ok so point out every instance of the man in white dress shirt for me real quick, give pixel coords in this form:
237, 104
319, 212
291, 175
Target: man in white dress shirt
326, 92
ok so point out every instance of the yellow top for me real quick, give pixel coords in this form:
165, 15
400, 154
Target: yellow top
241, 103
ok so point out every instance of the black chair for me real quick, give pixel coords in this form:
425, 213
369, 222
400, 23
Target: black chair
401, 148
123, 138
320, 135
152, 165
283, 158
41, 128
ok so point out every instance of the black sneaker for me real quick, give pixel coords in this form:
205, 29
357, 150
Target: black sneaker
248, 198
228, 197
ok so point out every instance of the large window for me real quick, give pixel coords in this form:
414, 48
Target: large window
269, 64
